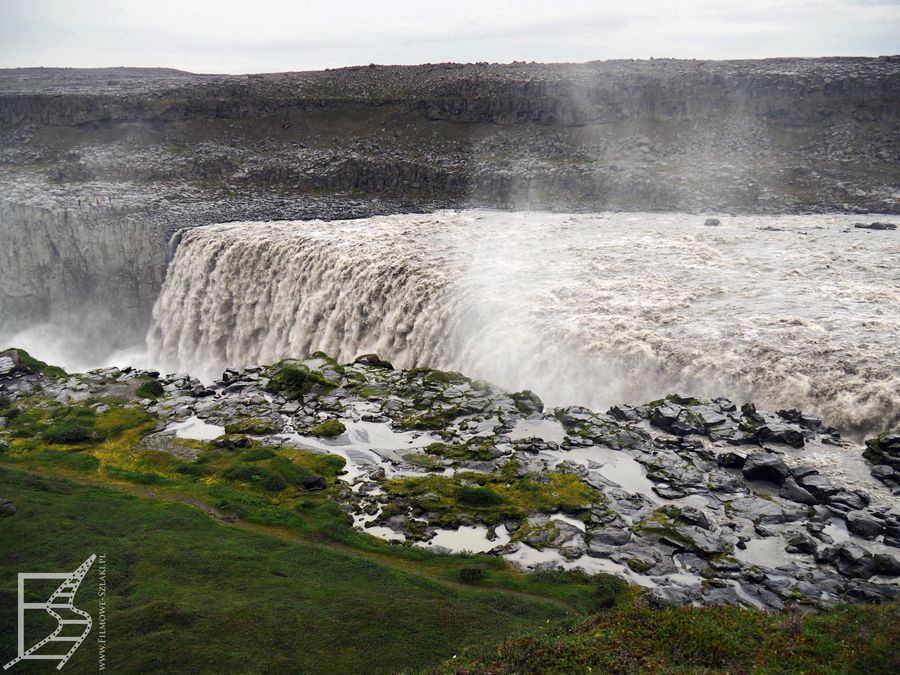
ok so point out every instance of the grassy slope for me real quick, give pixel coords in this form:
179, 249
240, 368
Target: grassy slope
851, 639
292, 587
189, 595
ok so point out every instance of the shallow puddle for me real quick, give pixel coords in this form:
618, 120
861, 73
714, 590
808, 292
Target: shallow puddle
467, 538
195, 429
546, 430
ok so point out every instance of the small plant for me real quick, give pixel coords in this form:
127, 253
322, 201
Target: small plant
150, 388
328, 429
274, 483
607, 589
471, 575
68, 433
293, 381
478, 496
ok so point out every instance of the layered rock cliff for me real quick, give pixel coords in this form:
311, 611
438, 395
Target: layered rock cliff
91, 279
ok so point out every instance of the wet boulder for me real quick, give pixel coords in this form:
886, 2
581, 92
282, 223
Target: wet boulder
373, 361
765, 466
875, 226
731, 460
863, 525
678, 420
780, 433
602, 539
760, 510
884, 449
850, 560
849, 501
669, 596
887, 565
748, 412
791, 490
624, 413
695, 516
527, 402
797, 417
800, 542
818, 486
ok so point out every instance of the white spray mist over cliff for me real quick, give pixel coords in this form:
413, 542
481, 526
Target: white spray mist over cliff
591, 309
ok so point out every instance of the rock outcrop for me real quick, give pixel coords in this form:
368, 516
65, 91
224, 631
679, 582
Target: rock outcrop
435, 459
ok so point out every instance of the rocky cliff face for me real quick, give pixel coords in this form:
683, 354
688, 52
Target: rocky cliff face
756, 136
91, 277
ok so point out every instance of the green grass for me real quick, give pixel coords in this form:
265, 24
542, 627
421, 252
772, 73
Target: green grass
150, 388
38, 366
478, 448
275, 494
328, 429
494, 497
851, 639
186, 594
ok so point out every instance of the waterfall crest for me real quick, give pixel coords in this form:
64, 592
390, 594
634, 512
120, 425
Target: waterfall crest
591, 309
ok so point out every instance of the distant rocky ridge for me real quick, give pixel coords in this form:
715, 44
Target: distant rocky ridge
756, 136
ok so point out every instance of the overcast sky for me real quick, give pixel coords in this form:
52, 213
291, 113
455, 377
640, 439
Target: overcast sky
242, 36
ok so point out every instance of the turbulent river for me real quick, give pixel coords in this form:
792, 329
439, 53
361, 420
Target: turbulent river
589, 309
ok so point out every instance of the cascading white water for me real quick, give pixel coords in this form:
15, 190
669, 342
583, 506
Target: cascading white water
592, 309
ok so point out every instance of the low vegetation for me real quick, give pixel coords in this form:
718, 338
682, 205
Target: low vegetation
294, 380
150, 388
187, 594
38, 366
328, 429
493, 498
851, 639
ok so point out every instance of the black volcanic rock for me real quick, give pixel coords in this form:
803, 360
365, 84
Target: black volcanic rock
875, 226
765, 466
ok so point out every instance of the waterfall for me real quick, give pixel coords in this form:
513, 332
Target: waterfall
592, 309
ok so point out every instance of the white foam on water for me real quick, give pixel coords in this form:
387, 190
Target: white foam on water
593, 309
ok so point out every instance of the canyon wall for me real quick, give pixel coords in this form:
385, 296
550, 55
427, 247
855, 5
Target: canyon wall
86, 278
167, 149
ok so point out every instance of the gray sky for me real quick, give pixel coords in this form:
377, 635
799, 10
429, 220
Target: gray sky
218, 36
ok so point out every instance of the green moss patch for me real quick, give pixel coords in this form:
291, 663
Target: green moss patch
494, 497
252, 427
328, 429
294, 380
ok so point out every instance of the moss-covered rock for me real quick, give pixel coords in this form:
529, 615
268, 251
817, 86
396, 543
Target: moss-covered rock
328, 429
252, 427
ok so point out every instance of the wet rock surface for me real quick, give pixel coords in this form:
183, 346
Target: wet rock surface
680, 496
